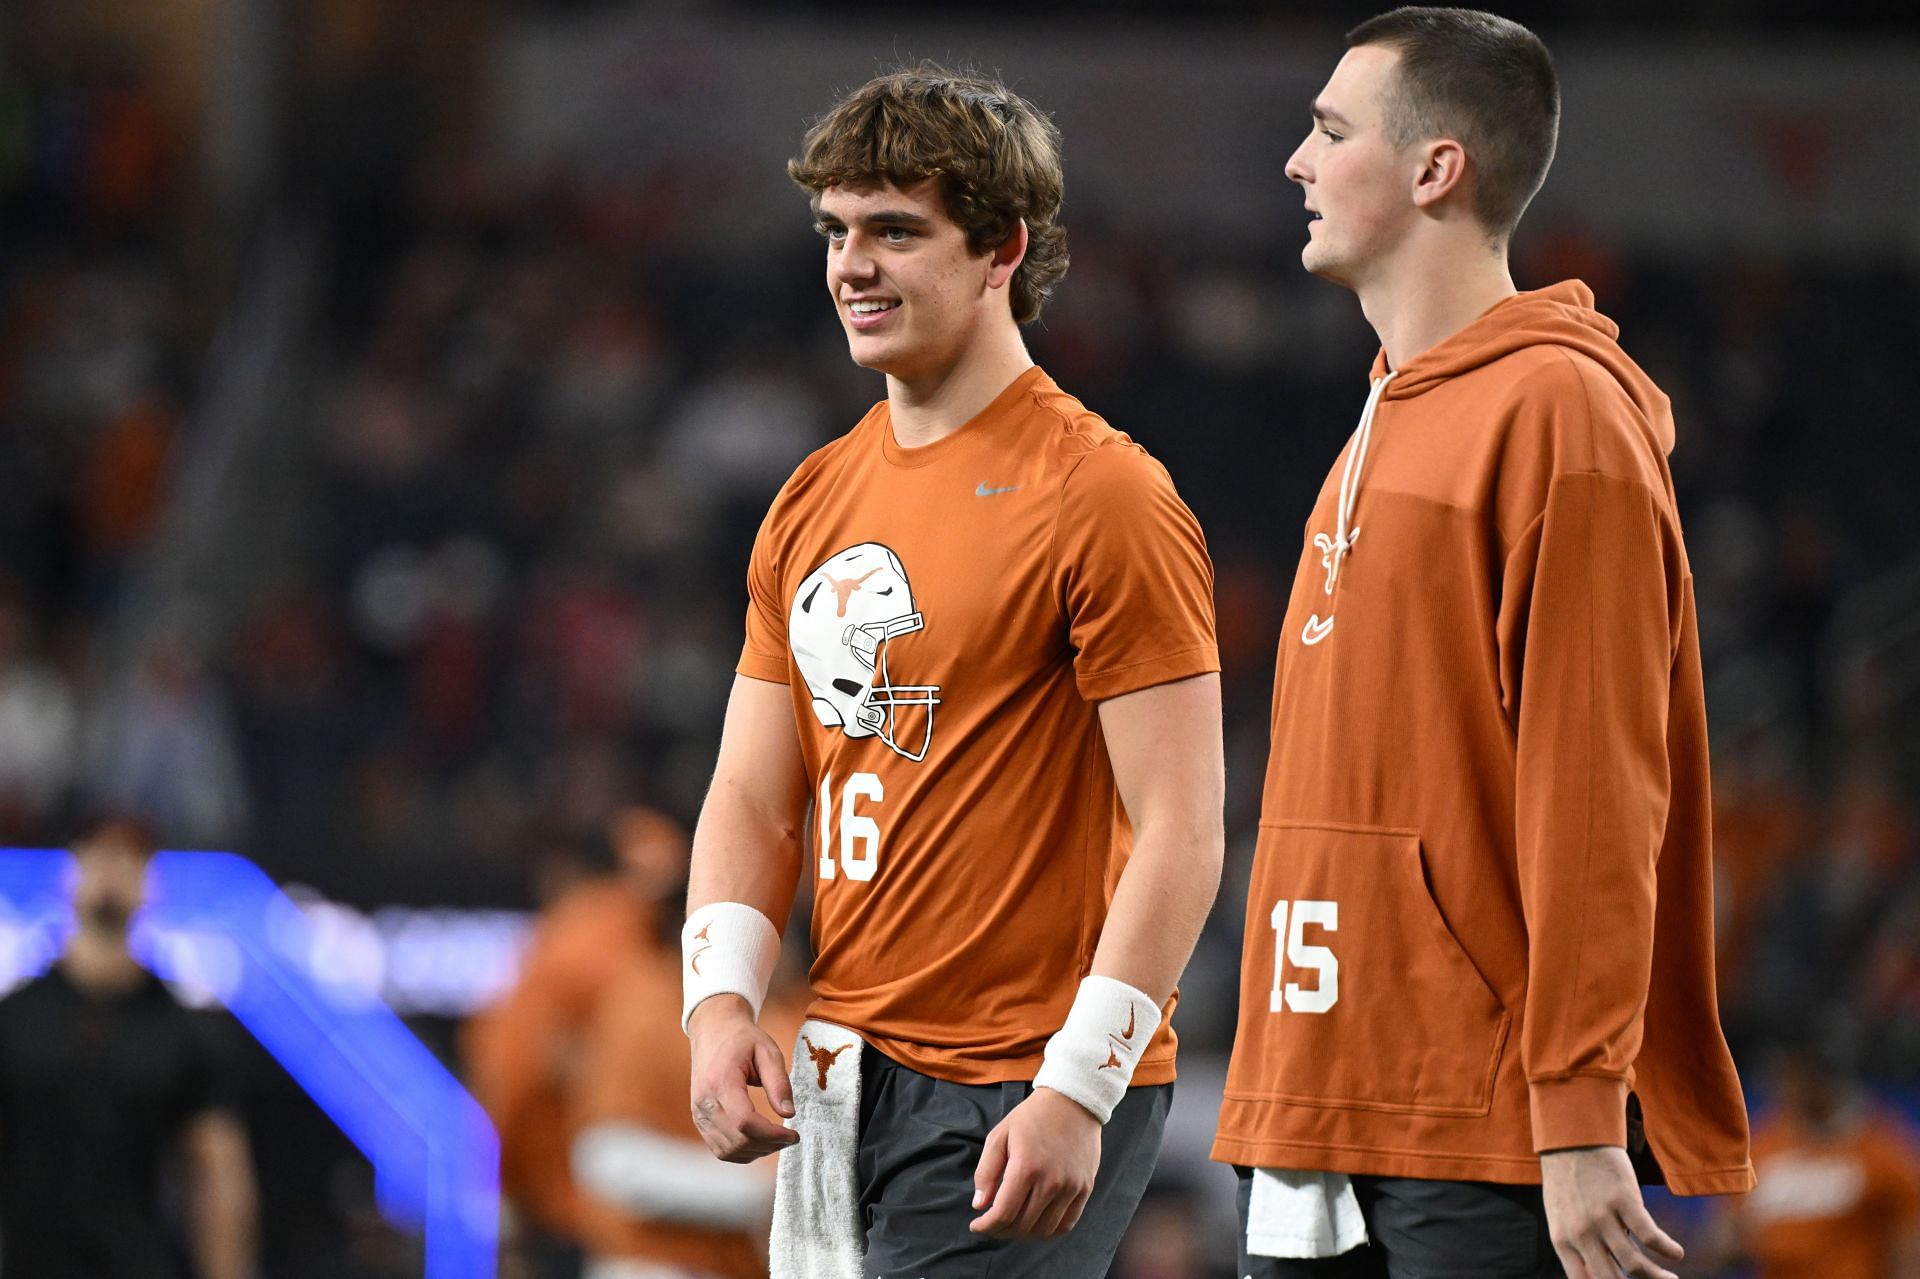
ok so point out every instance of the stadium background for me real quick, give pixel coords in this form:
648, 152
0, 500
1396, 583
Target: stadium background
389, 393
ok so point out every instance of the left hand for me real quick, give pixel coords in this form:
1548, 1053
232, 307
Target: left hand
1037, 1170
1599, 1223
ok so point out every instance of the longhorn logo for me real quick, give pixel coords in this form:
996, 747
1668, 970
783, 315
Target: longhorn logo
844, 587
822, 1059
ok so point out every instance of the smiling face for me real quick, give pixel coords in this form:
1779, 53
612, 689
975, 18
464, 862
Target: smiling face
1357, 184
910, 294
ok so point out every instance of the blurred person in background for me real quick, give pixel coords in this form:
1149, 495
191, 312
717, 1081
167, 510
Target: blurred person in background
525, 1052
654, 1203
164, 741
39, 724
980, 642
105, 1082
1479, 937
1839, 1192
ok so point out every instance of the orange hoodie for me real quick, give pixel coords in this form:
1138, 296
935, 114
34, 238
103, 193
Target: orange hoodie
1481, 910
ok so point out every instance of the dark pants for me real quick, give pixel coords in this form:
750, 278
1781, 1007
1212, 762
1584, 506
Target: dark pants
1428, 1230
920, 1141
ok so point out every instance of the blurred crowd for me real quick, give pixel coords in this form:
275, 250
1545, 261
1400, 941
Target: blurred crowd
541, 423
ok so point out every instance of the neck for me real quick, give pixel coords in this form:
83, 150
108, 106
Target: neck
98, 960
929, 407
1416, 305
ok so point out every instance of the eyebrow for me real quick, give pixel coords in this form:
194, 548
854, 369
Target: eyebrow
883, 217
1328, 114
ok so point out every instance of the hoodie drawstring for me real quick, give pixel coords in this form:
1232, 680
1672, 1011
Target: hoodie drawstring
1333, 550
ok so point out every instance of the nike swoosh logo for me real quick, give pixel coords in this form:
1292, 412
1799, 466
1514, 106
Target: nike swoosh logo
1316, 630
984, 491
693, 961
1127, 1034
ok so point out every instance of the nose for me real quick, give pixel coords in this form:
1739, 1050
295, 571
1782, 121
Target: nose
853, 262
1297, 167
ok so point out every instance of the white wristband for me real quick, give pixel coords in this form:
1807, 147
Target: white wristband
1091, 1058
726, 948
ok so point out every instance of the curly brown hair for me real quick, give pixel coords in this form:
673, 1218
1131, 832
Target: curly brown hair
996, 156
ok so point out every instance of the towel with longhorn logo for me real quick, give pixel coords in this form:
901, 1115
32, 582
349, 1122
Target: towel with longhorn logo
817, 1233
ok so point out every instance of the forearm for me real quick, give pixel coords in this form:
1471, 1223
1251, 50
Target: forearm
222, 1210
1164, 743
650, 1175
1161, 904
746, 849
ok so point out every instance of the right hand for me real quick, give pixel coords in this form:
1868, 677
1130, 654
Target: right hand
731, 1054
1597, 1219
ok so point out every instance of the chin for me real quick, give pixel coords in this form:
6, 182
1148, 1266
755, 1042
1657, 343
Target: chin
1325, 266
868, 355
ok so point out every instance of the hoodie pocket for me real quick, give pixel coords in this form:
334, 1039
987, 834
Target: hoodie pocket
1361, 997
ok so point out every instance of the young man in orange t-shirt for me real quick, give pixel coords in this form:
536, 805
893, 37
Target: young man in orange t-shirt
980, 649
1478, 983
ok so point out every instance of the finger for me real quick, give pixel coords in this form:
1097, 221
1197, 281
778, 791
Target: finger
761, 1130
1074, 1209
1570, 1261
711, 1122
1050, 1218
772, 1065
1629, 1256
729, 1117
1009, 1206
992, 1165
1594, 1255
1655, 1240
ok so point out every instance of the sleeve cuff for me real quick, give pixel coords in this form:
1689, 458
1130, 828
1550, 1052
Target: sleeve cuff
1578, 1110
753, 666
1099, 686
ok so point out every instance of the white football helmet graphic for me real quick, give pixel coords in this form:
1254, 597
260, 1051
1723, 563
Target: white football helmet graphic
844, 621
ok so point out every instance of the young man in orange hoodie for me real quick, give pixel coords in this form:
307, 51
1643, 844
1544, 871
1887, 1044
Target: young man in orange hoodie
1477, 1001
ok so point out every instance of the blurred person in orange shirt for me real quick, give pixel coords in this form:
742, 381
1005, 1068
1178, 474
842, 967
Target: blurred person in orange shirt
1839, 1192
654, 1203
523, 1053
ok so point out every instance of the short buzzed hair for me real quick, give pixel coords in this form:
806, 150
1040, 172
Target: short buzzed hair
1483, 80
996, 156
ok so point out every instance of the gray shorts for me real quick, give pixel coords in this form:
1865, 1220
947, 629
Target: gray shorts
1428, 1230
920, 1141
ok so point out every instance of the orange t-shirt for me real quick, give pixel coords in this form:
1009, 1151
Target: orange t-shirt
1830, 1206
947, 618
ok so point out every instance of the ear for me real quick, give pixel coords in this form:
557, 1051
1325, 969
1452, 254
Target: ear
1005, 258
1443, 170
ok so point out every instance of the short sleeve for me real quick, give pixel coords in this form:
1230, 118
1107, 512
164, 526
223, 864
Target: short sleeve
1133, 575
210, 1074
764, 655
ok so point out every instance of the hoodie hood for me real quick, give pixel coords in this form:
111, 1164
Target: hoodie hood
1559, 315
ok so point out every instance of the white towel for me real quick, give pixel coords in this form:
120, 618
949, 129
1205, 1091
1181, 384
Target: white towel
1303, 1214
817, 1232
